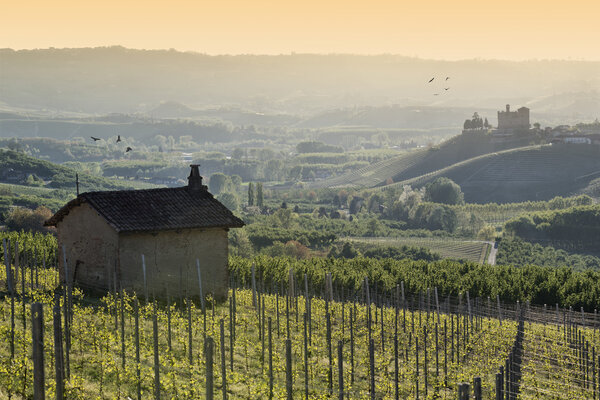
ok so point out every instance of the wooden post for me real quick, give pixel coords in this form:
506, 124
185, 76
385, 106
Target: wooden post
499, 309
253, 286
437, 304
396, 389
58, 349
464, 391
271, 359
352, 313
169, 323
340, 371
208, 355
145, 279
136, 314
223, 364
329, 354
201, 293
122, 331
500, 384
288, 369
305, 356
477, 388
372, 369
156, 359
190, 336
9, 280
37, 340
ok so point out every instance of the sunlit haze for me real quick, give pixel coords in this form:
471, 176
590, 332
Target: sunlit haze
430, 29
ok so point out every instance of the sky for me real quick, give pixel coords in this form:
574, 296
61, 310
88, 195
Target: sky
437, 29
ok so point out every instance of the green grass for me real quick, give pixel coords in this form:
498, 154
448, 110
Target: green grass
456, 249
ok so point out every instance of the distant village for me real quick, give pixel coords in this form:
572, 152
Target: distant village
513, 124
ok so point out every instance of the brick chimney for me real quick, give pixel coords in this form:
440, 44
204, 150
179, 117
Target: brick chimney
195, 180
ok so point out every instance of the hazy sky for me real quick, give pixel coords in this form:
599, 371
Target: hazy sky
443, 29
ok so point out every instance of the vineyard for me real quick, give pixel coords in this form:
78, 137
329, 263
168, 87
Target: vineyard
375, 174
284, 338
470, 250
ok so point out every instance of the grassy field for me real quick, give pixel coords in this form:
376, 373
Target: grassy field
470, 250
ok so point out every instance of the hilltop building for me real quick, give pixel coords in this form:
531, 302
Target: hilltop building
105, 234
513, 121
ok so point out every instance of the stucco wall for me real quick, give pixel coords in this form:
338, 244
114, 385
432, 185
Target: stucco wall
171, 261
91, 247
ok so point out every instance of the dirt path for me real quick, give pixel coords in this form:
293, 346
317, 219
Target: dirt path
493, 251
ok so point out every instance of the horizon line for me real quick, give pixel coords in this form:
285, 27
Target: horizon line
295, 53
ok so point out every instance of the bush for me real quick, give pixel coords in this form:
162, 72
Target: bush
445, 191
28, 220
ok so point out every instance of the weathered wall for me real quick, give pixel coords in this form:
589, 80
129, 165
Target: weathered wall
91, 247
171, 261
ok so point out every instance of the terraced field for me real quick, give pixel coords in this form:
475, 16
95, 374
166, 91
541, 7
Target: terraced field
522, 174
374, 174
475, 251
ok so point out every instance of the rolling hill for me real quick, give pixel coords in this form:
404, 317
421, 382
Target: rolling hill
422, 161
521, 174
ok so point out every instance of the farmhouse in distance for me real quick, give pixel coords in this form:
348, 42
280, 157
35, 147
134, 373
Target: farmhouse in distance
104, 235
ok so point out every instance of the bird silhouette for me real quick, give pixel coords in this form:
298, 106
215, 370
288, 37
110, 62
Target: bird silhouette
447, 77
118, 138
436, 94
431, 80
446, 88
128, 149
95, 139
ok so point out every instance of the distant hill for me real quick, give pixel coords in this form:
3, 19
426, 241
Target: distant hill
116, 79
522, 174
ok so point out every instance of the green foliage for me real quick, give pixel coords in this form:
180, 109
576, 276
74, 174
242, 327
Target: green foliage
445, 191
578, 225
539, 285
250, 194
262, 236
317, 147
43, 243
218, 183
28, 220
518, 252
260, 197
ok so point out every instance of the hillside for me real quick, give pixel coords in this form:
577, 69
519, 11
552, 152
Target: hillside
421, 161
76, 81
527, 173
17, 167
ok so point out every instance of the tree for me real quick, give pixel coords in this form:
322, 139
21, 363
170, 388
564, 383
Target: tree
445, 191
28, 220
259, 195
486, 124
250, 194
218, 182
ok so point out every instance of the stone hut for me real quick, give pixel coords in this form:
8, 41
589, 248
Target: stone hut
105, 234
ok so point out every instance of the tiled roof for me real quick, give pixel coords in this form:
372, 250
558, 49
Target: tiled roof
155, 209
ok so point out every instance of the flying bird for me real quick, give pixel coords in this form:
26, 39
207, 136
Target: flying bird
118, 138
431, 80
128, 149
446, 88
436, 94
95, 139
447, 77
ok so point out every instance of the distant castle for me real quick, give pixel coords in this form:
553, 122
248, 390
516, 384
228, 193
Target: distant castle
513, 121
